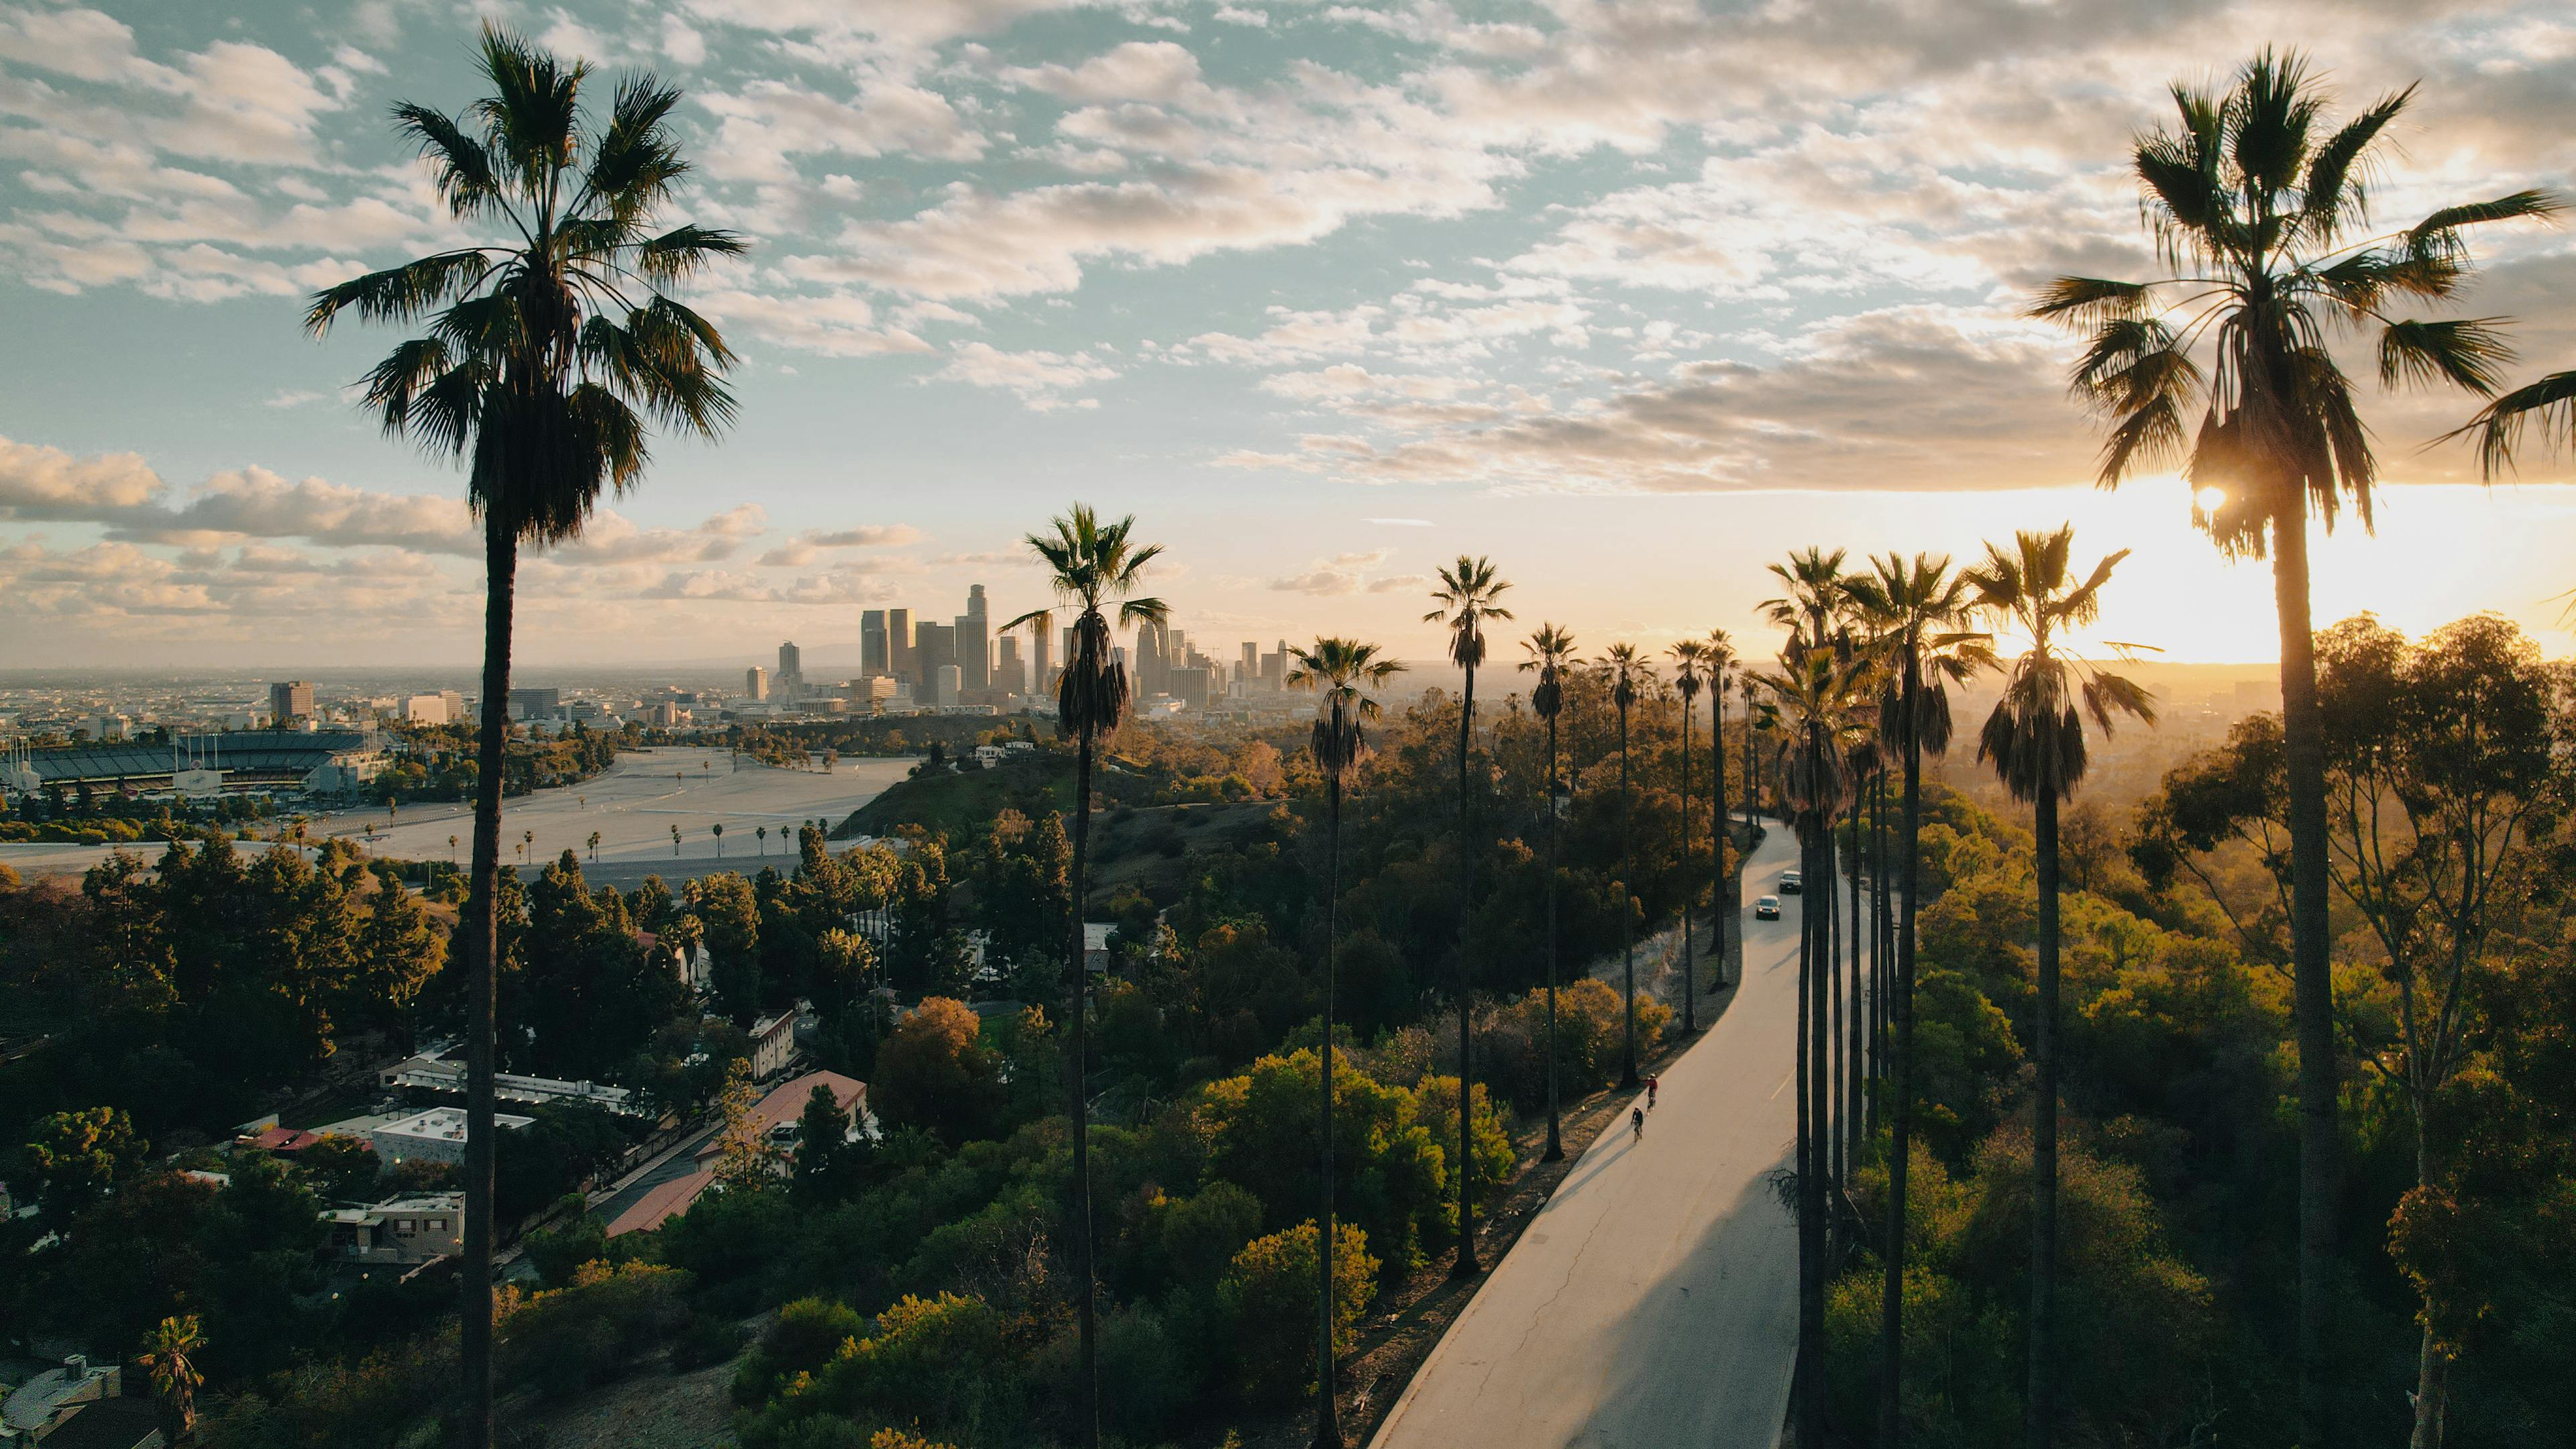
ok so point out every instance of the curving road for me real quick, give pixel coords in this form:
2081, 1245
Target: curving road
1653, 1301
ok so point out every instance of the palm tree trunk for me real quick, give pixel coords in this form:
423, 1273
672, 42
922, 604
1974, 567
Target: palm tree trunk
1722, 903
1837, 1111
1690, 893
1627, 926
1328, 1427
1466, 1264
1864, 1010
1891, 1329
2040, 1419
1555, 1144
2312, 1006
1089, 1407
482, 969
1812, 965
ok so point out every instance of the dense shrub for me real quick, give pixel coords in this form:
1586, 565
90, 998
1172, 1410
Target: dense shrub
1269, 1300
570, 1339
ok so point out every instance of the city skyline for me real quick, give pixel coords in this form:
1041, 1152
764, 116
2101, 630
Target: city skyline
1629, 349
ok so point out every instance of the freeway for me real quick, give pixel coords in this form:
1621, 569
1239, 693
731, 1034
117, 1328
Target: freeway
1653, 1301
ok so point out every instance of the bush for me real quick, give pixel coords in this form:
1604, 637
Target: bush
1435, 1110
805, 1336
705, 1339
574, 1338
940, 1364
935, 1072
1269, 1297
1390, 1175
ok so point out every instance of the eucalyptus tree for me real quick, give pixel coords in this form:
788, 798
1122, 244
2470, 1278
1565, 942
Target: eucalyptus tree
1921, 611
1625, 670
1687, 656
1343, 671
544, 354
1551, 654
1095, 569
1717, 655
2262, 227
1812, 698
2035, 741
1467, 598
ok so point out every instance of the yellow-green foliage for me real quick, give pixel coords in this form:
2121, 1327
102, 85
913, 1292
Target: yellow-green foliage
1390, 1172
935, 1365
1269, 1297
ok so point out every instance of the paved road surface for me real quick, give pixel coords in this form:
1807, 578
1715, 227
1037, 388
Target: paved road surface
1653, 1302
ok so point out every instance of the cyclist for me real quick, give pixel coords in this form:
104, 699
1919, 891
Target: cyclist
1637, 1123
1654, 1084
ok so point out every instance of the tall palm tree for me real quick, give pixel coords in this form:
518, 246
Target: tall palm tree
1717, 654
1687, 654
594, 847
1920, 611
2262, 223
542, 355
1551, 653
1811, 599
1466, 598
2035, 741
1095, 569
1747, 686
169, 1358
1343, 671
1626, 669
1811, 702
718, 828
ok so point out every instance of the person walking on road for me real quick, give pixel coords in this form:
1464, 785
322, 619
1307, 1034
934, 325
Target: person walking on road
1654, 1084
1637, 1123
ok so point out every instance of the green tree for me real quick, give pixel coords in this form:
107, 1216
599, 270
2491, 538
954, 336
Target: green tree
1919, 611
729, 913
1277, 1283
1342, 671
542, 355
1094, 568
83, 1157
2035, 741
1551, 653
934, 1072
2263, 218
1466, 596
824, 1153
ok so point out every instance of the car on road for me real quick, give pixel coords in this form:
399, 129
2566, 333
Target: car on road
1792, 883
1767, 909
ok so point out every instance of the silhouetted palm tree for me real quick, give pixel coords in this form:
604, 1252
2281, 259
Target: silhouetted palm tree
169, 1359
2035, 740
2263, 223
1812, 699
1625, 670
1343, 670
594, 847
1919, 611
542, 354
1466, 597
1094, 568
1717, 654
718, 828
1687, 654
1811, 602
1551, 653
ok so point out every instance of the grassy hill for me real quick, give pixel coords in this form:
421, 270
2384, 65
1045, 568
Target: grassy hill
961, 805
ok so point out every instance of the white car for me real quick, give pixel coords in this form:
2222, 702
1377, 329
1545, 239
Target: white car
1793, 883
1767, 909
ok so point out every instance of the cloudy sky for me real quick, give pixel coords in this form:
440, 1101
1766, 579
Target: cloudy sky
1632, 297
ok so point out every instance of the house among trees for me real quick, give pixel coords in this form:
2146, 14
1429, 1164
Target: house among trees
404, 1231
79, 1407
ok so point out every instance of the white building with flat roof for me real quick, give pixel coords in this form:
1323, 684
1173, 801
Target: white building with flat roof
437, 1135
403, 1230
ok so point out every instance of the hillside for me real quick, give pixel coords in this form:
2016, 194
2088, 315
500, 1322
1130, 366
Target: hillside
962, 804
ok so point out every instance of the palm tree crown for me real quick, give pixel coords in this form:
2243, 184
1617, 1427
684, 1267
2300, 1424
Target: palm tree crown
1342, 671
1551, 654
1466, 597
1093, 565
2035, 737
542, 349
2262, 219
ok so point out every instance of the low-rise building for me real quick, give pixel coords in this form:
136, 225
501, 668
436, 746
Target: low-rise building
433, 1072
403, 1230
773, 1045
77, 1406
437, 1135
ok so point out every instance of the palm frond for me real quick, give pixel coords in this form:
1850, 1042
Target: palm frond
2549, 405
2091, 301
2468, 353
2337, 194
460, 169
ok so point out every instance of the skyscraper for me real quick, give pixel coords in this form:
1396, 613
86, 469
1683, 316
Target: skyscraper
791, 672
755, 683
1044, 644
900, 659
1248, 673
1007, 673
873, 658
289, 702
974, 635
1153, 668
934, 647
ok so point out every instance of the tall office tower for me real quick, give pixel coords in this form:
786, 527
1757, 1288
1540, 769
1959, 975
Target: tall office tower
1007, 673
1153, 668
1274, 669
1190, 685
974, 641
873, 658
1176, 648
289, 702
946, 681
934, 647
1044, 644
1248, 673
901, 660
755, 683
791, 672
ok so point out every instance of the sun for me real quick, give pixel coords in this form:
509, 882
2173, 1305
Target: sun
2208, 497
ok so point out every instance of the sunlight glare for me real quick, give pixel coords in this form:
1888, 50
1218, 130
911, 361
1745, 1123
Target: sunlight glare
2209, 497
